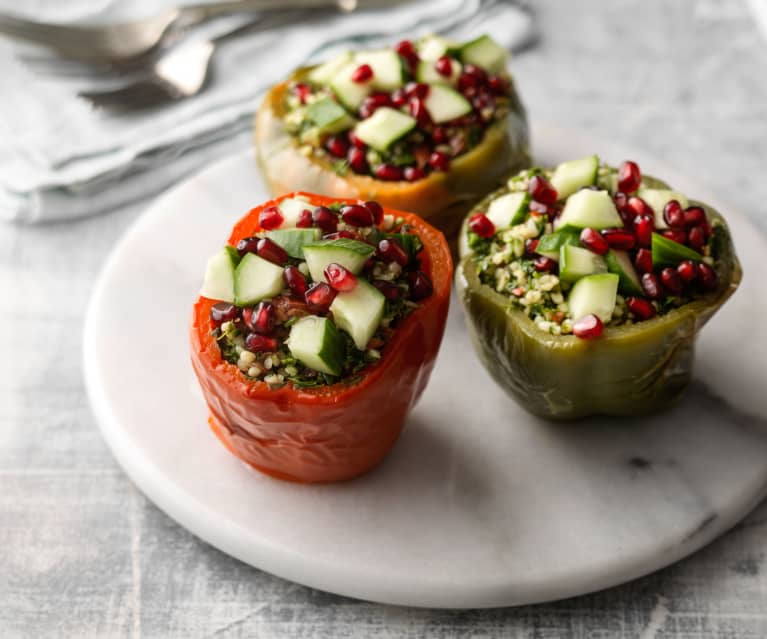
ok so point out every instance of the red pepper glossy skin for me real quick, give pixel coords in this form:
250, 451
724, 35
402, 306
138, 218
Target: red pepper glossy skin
334, 432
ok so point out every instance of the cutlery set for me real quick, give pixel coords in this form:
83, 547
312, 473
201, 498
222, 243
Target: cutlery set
155, 60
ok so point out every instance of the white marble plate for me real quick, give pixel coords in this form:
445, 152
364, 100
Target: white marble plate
478, 504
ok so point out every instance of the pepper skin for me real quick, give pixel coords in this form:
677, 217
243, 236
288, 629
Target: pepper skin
329, 433
630, 370
440, 198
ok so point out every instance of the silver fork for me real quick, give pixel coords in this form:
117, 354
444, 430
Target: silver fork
179, 73
122, 42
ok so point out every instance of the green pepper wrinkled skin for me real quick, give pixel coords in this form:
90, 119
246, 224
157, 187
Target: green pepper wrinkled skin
630, 370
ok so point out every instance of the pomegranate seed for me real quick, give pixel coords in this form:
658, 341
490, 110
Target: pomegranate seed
398, 98
620, 199
270, 218
319, 297
390, 291
480, 224
541, 190
476, 72
594, 241
357, 215
498, 85
420, 285
414, 173
644, 225
302, 91
348, 235
373, 102
295, 280
671, 280
416, 90
260, 319
626, 213
444, 66
376, 210
531, 246
391, 251
694, 216
544, 264
271, 251
362, 74
588, 327
675, 235
673, 214
223, 312
339, 277
629, 177
639, 207
388, 172
620, 239
696, 238
439, 161
640, 307
325, 219
438, 135
643, 260
406, 49
651, 286
337, 146
418, 110
355, 141
304, 219
467, 83
247, 245
688, 271
261, 343
707, 230
543, 209
706, 277
357, 160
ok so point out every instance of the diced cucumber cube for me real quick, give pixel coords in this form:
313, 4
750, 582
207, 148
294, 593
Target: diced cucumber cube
351, 254
291, 209
359, 312
350, 93
444, 104
384, 127
486, 53
666, 252
256, 279
433, 47
425, 72
508, 210
590, 209
550, 245
388, 72
594, 295
570, 176
657, 200
294, 240
619, 262
325, 72
576, 262
316, 343
219, 277
329, 116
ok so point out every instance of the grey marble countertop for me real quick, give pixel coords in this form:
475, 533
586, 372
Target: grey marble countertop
84, 554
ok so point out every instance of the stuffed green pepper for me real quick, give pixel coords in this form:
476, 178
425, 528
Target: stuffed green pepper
585, 287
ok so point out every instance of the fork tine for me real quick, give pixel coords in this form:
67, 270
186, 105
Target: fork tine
133, 97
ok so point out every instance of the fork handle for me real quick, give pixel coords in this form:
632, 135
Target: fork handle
191, 15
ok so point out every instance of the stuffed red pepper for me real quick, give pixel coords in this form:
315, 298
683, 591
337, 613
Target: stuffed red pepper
316, 331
